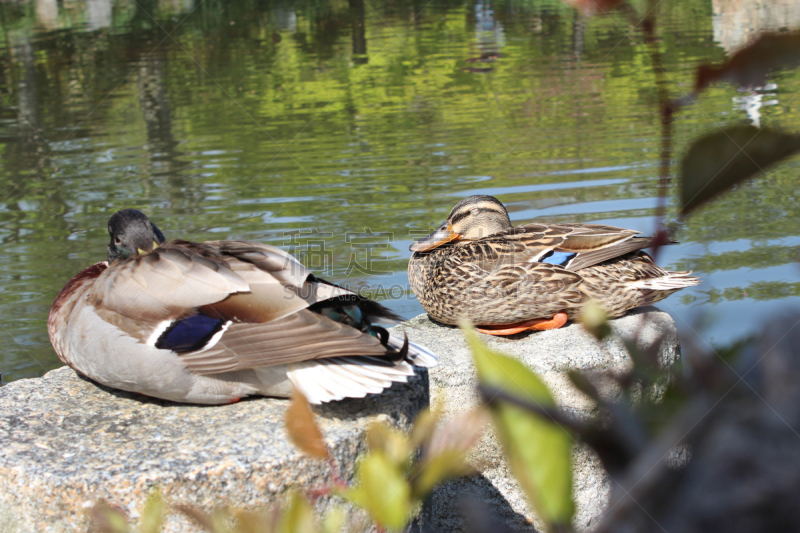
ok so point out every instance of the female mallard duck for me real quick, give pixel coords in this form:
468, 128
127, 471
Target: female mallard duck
217, 321
537, 276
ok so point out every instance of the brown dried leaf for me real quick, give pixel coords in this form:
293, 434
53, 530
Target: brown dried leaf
720, 160
595, 6
106, 518
303, 429
257, 521
458, 434
750, 66
423, 427
445, 451
197, 516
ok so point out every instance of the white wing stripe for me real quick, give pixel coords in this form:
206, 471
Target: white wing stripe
337, 378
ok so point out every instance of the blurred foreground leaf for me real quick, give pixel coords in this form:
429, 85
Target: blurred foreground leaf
393, 443
539, 452
334, 520
720, 160
297, 516
153, 513
103, 518
445, 451
256, 521
458, 433
424, 426
595, 6
383, 491
214, 522
391, 485
749, 66
595, 320
303, 429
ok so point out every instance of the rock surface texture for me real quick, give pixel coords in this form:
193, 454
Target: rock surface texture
66, 443
551, 354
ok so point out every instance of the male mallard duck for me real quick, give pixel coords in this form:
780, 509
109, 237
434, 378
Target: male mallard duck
532, 277
217, 321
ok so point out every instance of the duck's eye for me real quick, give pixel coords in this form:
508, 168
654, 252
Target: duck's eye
475, 212
117, 241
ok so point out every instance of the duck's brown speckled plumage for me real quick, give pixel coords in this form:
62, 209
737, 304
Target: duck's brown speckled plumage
498, 277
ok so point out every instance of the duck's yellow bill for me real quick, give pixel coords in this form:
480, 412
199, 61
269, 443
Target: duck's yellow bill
142, 252
439, 237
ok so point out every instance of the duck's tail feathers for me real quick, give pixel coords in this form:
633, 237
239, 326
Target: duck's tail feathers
417, 354
325, 380
670, 282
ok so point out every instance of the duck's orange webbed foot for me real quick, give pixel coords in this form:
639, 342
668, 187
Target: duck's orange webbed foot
537, 324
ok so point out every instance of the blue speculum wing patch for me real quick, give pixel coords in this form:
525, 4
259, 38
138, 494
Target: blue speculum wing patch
557, 258
189, 334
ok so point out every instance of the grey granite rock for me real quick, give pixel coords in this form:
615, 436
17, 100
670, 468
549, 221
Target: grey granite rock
66, 442
550, 354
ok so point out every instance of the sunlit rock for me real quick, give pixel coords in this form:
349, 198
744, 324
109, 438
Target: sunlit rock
67, 443
551, 354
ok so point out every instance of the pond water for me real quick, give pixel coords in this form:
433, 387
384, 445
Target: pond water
341, 131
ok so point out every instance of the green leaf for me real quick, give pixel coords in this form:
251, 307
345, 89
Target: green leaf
393, 443
595, 320
298, 516
442, 466
720, 160
383, 491
334, 520
423, 427
539, 452
153, 513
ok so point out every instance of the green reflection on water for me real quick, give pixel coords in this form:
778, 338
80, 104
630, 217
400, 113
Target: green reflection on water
259, 120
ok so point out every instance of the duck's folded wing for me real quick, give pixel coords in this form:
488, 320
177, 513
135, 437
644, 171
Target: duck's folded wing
227, 306
574, 246
178, 278
523, 244
595, 243
301, 336
278, 284
280, 265
162, 285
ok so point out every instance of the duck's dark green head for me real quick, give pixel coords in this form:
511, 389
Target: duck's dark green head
132, 233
